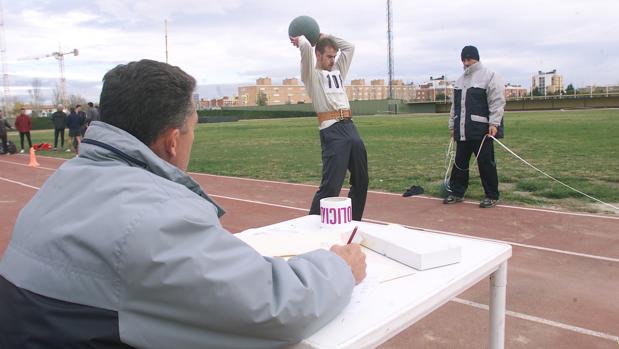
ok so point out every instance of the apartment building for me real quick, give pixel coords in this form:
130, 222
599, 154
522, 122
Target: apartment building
438, 88
265, 93
515, 91
547, 83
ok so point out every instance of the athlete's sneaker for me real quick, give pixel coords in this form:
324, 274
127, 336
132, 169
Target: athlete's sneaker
21, 151
452, 199
68, 150
487, 203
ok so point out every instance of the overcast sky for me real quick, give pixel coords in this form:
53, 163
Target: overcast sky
223, 43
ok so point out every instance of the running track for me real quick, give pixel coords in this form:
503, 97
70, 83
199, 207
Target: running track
563, 278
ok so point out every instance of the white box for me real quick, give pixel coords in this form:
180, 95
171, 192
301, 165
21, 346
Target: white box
417, 249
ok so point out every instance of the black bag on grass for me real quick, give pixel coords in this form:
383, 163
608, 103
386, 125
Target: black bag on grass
11, 148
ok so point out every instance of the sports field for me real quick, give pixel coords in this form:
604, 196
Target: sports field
580, 148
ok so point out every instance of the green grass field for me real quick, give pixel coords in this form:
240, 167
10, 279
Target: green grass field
580, 148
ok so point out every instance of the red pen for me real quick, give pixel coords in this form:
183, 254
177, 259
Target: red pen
354, 231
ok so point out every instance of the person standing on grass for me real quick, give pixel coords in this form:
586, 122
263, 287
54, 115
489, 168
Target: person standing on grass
4, 125
23, 124
74, 123
59, 118
92, 114
152, 266
476, 111
342, 147
82, 116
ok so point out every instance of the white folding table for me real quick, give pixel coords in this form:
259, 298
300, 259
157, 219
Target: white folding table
382, 306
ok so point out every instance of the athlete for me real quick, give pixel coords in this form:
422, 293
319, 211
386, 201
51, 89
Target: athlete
342, 147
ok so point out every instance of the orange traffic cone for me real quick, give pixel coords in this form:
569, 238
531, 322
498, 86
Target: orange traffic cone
33, 159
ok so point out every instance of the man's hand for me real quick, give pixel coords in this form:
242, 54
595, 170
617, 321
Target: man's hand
353, 256
492, 130
294, 41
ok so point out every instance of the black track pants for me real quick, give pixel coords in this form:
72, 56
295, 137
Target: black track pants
459, 181
343, 149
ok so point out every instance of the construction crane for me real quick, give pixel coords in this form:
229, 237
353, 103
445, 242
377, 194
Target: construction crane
59, 55
5, 72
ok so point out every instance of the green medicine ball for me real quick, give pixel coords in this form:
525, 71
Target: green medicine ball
307, 26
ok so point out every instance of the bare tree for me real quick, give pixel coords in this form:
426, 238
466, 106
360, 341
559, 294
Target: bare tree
35, 95
74, 100
56, 97
262, 99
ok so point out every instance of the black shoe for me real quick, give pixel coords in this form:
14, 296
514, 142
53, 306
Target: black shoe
487, 203
452, 199
414, 190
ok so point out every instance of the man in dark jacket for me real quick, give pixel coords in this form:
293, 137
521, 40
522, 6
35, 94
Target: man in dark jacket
74, 123
82, 116
476, 111
4, 124
92, 114
59, 118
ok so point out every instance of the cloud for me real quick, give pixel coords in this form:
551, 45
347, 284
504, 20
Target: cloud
229, 42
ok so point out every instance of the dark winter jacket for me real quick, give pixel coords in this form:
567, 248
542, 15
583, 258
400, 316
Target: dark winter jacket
59, 119
478, 102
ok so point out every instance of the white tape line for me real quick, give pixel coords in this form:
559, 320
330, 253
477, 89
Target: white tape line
547, 175
542, 321
19, 183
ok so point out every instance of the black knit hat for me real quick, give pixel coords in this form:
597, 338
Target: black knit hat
469, 52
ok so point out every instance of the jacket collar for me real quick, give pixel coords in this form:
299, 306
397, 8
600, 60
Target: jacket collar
473, 68
104, 142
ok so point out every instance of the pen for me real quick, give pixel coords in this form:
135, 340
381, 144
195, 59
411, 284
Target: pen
352, 235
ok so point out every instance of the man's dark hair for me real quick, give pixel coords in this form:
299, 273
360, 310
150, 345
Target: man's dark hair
90, 104
324, 43
146, 98
78, 106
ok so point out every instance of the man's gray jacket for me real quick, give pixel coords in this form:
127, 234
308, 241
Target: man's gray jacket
119, 248
478, 102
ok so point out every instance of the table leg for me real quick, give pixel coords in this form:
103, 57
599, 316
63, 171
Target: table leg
498, 286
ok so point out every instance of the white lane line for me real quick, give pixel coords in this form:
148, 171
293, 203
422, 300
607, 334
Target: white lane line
539, 248
25, 165
542, 321
457, 300
259, 202
370, 191
19, 183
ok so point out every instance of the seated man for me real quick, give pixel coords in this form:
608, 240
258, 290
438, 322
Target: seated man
120, 248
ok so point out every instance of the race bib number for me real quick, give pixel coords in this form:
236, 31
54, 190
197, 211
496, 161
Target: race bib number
332, 81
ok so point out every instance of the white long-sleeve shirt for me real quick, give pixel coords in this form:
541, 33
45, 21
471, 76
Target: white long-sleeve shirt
326, 88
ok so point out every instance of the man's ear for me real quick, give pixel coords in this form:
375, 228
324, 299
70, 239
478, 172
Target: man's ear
166, 145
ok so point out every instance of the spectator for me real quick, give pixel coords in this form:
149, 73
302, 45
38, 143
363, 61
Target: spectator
4, 124
92, 114
59, 118
74, 124
23, 124
82, 116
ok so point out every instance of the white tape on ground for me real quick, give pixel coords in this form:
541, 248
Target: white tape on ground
546, 174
